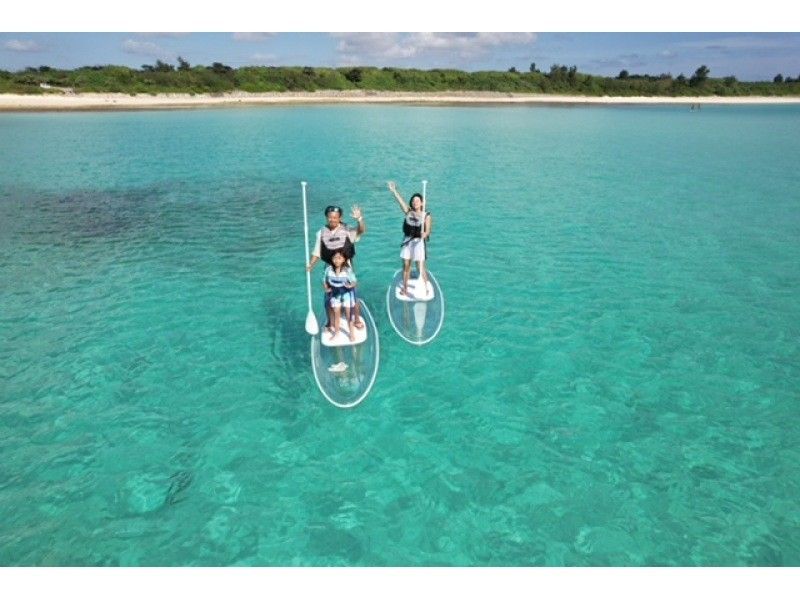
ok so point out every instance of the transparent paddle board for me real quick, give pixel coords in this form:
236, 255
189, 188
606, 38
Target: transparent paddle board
345, 370
418, 314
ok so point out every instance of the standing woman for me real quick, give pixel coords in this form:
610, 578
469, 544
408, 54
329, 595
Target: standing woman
416, 230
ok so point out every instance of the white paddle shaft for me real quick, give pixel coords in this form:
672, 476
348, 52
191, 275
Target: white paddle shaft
424, 203
312, 327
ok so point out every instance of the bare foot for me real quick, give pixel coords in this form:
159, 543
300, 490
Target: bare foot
358, 324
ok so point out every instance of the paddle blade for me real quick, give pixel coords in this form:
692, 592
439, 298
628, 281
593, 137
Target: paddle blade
312, 327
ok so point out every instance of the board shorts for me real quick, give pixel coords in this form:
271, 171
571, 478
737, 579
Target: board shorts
346, 299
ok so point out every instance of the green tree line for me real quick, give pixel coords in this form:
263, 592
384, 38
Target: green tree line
163, 77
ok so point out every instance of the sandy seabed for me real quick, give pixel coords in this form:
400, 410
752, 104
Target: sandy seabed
121, 101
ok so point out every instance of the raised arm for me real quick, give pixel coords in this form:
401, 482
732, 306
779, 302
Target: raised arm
398, 197
362, 226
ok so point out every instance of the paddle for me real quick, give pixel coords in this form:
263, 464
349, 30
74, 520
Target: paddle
422, 284
424, 199
312, 327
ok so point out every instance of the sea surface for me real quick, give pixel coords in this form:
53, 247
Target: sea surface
617, 381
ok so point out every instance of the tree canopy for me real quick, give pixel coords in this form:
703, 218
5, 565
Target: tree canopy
163, 77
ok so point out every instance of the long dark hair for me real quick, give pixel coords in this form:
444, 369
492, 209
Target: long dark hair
344, 257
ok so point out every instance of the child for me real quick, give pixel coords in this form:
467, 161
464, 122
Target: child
339, 282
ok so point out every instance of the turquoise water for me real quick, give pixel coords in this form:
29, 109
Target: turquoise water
616, 382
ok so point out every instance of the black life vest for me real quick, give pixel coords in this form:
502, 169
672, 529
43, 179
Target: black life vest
331, 241
412, 225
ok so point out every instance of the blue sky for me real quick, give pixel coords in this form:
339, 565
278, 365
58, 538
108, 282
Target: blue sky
748, 56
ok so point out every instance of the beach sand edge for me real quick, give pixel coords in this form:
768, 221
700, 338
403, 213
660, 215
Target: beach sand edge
120, 101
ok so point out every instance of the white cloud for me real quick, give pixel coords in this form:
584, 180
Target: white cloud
367, 47
22, 45
251, 37
132, 46
353, 46
469, 43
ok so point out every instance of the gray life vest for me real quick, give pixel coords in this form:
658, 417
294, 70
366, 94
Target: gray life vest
331, 241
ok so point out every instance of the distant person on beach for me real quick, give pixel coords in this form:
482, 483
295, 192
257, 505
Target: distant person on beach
416, 231
337, 236
339, 283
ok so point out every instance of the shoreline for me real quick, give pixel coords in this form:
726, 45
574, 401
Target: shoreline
121, 101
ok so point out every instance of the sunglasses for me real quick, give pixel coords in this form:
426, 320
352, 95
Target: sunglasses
330, 209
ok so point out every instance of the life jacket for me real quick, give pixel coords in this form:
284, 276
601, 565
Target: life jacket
331, 241
337, 281
412, 225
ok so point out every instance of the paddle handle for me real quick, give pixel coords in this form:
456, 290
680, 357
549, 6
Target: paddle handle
424, 219
305, 232
424, 203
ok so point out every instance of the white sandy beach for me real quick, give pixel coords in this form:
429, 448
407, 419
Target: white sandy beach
121, 101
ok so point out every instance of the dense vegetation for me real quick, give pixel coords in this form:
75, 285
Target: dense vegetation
219, 78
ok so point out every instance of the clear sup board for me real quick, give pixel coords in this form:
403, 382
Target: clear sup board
345, 370
417, 316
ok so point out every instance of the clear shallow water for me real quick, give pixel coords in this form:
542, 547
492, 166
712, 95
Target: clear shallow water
615, 384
